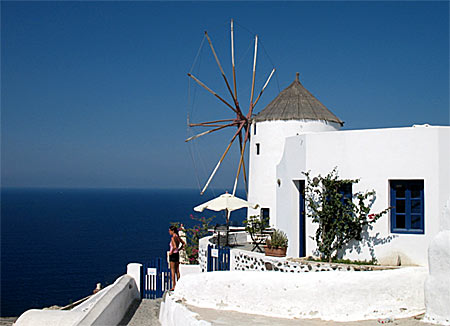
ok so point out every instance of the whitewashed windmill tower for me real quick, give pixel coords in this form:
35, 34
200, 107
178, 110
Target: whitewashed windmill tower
294, 111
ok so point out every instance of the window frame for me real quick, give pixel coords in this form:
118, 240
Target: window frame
346, 190
407, 198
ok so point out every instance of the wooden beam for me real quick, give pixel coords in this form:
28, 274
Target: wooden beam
204, 125
216, 121
232, 60
212, 92
221, 159
264, 87
210, 131
223, 73
244, 170
253, 78
241, 161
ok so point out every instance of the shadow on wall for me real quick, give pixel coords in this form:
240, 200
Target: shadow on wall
367, 241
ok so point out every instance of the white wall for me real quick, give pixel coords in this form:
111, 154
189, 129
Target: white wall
174, 313
113, 305
437, 285
106, 307
375, 156
340, 296
262, 168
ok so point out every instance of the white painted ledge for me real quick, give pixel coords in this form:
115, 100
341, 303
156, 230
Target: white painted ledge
173, 313
189, 269
36, 317
106, 307
437, 285
338, 296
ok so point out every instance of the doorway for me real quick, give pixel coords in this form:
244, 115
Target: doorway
302, 223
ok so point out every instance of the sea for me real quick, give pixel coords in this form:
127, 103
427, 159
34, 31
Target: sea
57, 244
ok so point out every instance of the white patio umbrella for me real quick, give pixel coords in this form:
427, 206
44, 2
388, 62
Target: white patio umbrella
225, 202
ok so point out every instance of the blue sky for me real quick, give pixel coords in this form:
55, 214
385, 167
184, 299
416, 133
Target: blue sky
94, 94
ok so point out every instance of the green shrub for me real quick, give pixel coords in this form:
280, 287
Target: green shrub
339, 220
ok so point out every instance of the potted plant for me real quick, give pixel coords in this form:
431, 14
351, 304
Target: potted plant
277, 244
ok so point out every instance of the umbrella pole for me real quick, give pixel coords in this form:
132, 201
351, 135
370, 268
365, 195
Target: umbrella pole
228, 228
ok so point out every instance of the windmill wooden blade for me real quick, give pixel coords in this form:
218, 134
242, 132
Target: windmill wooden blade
221, 159
253, 77
204, 125
208, 122
232, 60
223, 74
212, 92
264, 87
241, 161
243, 168
209, 131
241, 121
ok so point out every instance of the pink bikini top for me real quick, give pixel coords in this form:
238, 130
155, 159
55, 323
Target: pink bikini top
172, 249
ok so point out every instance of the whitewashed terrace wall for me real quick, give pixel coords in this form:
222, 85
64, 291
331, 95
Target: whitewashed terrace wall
174, 313
437, 285
106, 307
238, 237
340, 296
242, 260
203, 252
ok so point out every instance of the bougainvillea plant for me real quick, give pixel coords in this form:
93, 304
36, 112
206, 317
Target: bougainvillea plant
194, 234
340, 218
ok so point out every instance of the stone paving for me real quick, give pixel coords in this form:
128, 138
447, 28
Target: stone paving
222, 317
143, 313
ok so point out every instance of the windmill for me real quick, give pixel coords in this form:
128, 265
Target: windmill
241, 121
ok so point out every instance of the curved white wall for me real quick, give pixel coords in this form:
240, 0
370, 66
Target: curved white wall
437, 285
106, 307
271, 135
340, 296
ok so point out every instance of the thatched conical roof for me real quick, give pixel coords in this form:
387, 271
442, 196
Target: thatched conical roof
296, 103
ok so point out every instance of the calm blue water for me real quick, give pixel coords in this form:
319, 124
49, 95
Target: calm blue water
57, 244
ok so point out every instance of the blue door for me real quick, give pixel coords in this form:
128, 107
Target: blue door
218, 259
155, 278
302, 232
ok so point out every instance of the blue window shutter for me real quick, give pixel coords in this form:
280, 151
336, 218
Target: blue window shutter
410, 200
393, 210
408, 206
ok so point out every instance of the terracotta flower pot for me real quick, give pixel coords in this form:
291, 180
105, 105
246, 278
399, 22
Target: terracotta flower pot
276, 252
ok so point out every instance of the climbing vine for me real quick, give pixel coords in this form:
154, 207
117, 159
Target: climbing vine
341, 217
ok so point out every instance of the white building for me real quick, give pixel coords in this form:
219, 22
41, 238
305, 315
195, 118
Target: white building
293, 112
409, 168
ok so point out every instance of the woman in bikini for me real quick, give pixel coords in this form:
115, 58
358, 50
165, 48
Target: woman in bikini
174, 255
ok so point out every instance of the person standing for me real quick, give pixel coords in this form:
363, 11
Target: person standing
174, 255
